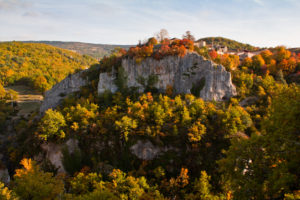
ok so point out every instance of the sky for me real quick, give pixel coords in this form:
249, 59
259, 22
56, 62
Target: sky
263, 23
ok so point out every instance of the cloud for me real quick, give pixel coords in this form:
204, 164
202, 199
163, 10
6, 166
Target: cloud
101, 7
259, 2
8, 5
30, 14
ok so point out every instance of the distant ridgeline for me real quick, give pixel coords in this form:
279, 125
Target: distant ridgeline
100, 50
97, 51
38, 65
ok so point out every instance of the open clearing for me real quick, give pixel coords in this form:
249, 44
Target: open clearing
29, 101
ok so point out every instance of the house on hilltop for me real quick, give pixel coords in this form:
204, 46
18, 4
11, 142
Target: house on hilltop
246, 54
221, 49
200, 43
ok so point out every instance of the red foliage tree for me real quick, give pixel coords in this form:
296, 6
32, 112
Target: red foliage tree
133, 51
189, 44
213, 54
175, 42
166, 41
165, 50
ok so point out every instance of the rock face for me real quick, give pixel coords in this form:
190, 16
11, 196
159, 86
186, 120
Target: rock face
62, 89
4, 176
192, 73
106, 82
54, 153
145, 150
248, 101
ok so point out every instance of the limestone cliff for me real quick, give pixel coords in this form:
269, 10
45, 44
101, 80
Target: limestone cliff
62, 89
190, 74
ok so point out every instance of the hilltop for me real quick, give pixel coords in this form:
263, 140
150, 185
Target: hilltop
94, 50
231, 44
295, 50
98, 51
39, 66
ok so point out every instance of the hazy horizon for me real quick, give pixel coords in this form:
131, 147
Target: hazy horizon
262, 23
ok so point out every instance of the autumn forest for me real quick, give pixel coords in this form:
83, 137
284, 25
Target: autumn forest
151, 145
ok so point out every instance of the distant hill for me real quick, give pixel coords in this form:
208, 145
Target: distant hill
295, 50
94, 50
38, 65
231, 44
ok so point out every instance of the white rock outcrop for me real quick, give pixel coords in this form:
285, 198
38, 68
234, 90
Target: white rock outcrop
182, 74
54, 153
61, 90
106, 82
145, 150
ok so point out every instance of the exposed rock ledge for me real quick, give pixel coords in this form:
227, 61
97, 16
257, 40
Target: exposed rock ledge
182, 74
62, 89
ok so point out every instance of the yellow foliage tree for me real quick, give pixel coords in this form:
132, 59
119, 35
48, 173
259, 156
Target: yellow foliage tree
32, 183
6, 194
